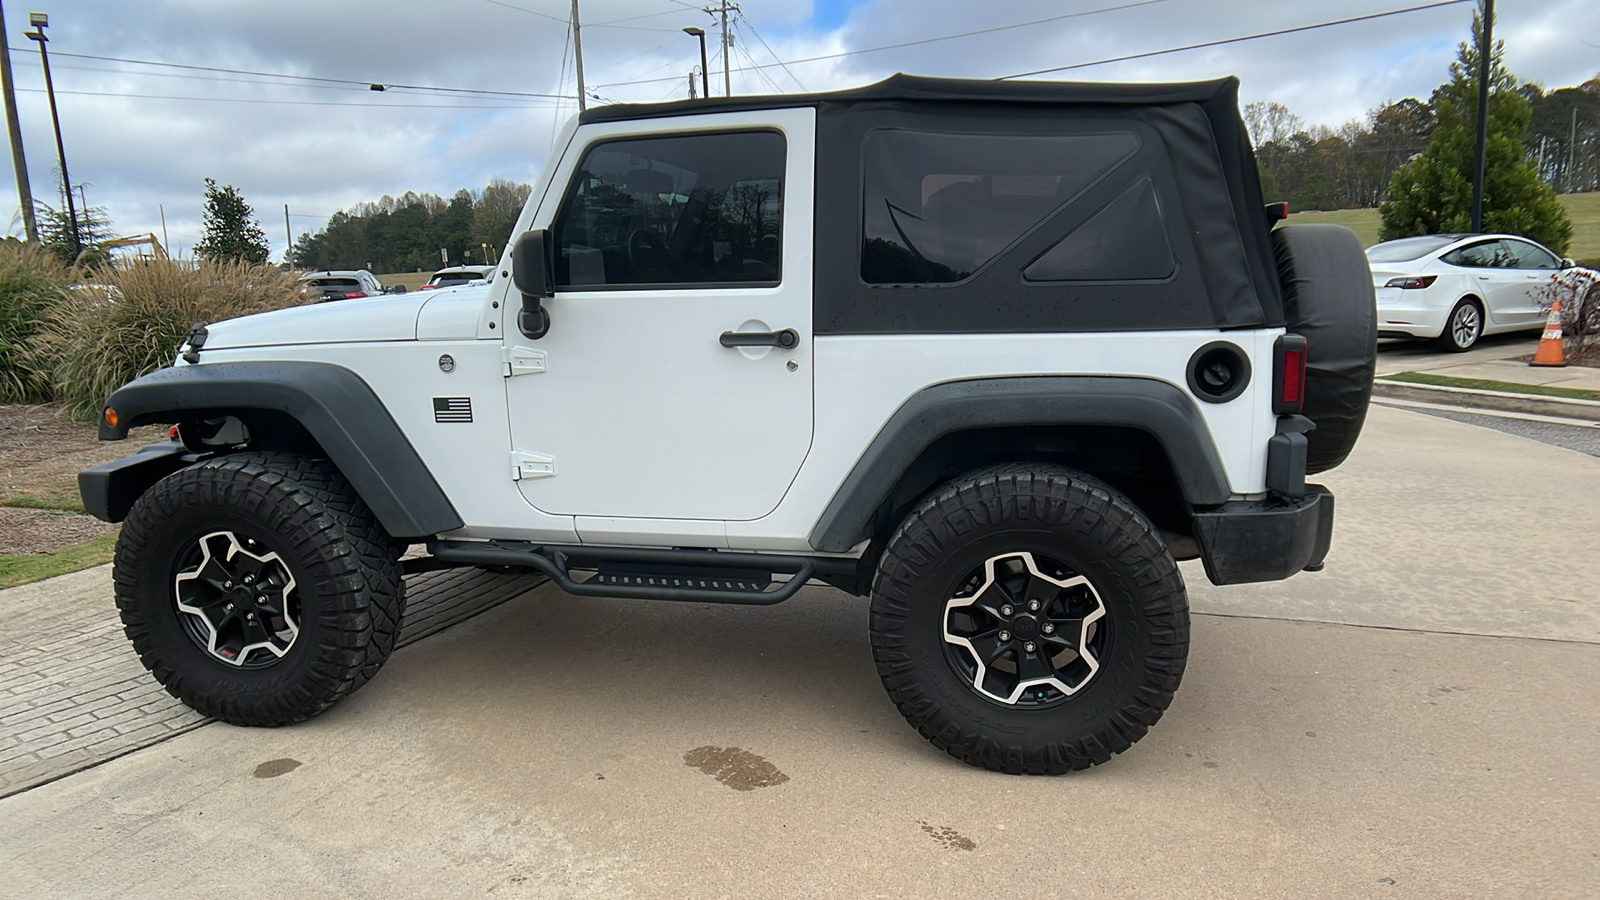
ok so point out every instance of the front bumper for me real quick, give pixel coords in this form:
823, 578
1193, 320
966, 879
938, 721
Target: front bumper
110, 489
1265, 540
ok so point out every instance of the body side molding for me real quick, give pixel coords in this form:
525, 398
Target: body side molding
1156, 407
333, 404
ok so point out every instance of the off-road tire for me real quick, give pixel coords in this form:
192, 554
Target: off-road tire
346, 569
1052, 512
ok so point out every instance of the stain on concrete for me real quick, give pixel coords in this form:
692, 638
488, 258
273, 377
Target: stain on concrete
949, 838
272, 768
735, 767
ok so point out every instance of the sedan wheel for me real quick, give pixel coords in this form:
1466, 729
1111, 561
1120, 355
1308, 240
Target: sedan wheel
1463, 328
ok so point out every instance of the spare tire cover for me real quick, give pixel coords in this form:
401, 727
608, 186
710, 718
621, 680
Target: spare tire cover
1328, 299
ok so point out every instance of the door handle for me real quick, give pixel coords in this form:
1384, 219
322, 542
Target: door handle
787, 339
1483, 278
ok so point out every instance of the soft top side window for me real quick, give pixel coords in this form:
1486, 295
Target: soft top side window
694, 209
938, 206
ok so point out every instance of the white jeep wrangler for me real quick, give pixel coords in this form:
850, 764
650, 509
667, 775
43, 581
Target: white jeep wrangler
992, 354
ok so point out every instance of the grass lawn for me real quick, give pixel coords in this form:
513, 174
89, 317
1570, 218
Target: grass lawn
1504, 387
1583, 209
21, 568
412, 280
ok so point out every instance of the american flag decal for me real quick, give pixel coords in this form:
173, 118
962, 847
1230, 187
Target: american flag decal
452, 409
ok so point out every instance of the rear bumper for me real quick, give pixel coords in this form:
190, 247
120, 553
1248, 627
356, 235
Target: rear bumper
110, 489
1403, 313
1265, 540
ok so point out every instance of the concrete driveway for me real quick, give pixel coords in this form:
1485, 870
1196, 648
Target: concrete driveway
1422, 719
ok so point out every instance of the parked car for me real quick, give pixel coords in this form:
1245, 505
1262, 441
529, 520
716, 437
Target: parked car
454, 275
992, 354
342, 284
1456, 288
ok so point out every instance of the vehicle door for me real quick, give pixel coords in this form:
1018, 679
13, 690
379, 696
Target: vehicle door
675, 379
1537, 269
1493, 276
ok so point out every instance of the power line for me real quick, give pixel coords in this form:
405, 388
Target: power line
284, 102
1235, 40
746, 20
531, 12
946, 37
310, 78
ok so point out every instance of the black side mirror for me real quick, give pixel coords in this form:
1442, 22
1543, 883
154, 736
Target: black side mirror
397, 289
1567, 263
533, 271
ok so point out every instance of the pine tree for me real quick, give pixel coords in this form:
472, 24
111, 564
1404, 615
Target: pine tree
1432, 193
231, 229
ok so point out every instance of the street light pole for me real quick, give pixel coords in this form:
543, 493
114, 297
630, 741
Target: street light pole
705, 82
40, 22
20, 162
1485, 67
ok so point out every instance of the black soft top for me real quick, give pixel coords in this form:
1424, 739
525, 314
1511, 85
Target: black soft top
1200, 128
923, 88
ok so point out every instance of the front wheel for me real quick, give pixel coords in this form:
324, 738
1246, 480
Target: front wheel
258, 588
1029, 619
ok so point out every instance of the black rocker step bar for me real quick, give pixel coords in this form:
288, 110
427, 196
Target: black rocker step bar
700, 576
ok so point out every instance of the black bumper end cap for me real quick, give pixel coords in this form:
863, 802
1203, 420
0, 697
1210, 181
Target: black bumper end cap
1248, 541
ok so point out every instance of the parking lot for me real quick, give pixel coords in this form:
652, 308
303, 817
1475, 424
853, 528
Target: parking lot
1419, 718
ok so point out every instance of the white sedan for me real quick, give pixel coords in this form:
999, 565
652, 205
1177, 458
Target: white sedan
1459, 287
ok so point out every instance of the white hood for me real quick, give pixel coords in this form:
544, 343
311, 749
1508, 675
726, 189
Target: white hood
392, 317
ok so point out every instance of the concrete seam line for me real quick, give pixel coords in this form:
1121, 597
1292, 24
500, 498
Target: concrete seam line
95, 763
1582, 410
1440, 631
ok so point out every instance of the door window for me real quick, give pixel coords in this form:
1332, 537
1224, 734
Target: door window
702, 209
1484, 255
1531, 256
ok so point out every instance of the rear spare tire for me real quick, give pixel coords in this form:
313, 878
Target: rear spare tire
1328, 299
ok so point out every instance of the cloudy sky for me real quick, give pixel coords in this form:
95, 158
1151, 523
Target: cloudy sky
143, 136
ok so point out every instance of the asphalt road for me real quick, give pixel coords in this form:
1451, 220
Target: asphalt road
1419, 720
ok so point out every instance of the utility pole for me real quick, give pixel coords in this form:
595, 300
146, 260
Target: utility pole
577, 52
24, 190
40, 22
288, 236
1572, 147
691, 85
1486, 56
727, 74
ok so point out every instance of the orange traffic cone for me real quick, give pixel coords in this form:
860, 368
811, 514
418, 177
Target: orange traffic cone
1550, 352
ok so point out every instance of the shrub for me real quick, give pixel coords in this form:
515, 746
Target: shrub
32, 283
135, 320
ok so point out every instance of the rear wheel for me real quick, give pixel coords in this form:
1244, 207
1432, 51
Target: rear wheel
1029, 619
1463, 328
258, 588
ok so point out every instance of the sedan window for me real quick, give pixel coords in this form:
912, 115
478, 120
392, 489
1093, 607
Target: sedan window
1406, 249
1483, 255
1533, 256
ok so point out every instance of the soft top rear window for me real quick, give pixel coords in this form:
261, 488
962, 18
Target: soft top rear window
1410, 248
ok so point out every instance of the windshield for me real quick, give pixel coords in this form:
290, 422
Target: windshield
338, 284
1408, 248
454, 278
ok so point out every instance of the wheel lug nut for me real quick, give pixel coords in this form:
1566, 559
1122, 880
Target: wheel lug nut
1005, 635
262, 598
249, 579
1030, 646
230, 607
227, 584
1048, 628
1005, 610
1033, 606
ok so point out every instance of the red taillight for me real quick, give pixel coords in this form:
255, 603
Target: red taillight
355, 295
1289, 374
172, 433
1412, 282
1277, 212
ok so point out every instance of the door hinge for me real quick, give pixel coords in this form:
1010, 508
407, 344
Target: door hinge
520, 361
531, 465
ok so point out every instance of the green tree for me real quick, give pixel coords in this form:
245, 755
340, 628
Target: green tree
231, 229
55, 233
1432, 193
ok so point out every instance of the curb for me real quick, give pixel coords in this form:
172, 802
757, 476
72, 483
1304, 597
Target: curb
1585, 410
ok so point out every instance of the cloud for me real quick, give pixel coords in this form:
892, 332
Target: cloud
319, 146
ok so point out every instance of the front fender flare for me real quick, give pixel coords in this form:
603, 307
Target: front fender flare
334, 405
